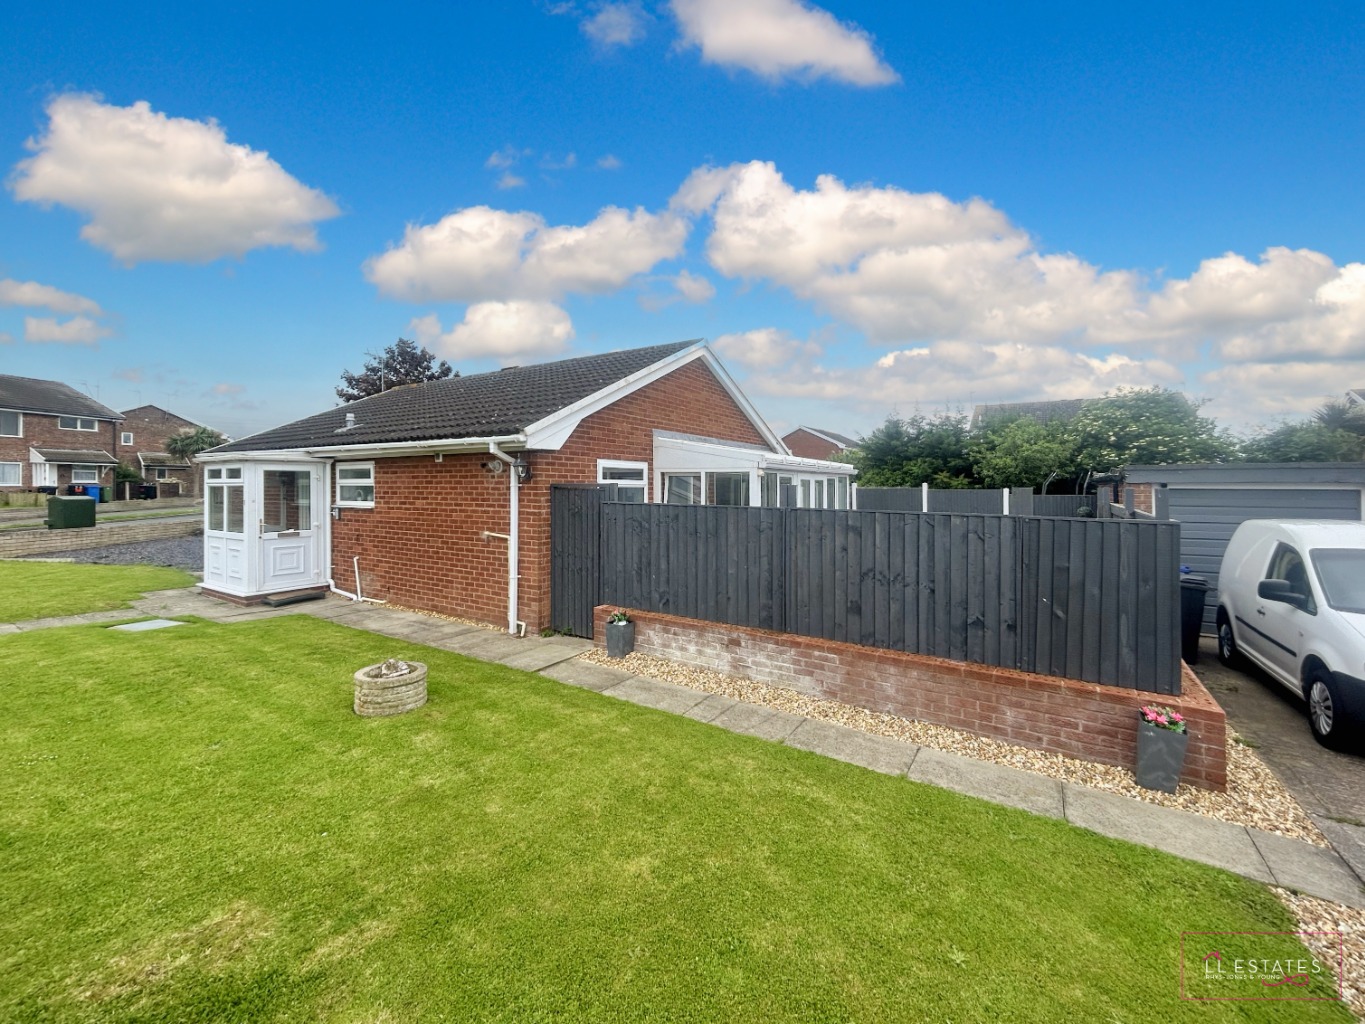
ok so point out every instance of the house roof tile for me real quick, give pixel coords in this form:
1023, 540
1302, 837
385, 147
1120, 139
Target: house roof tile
75, 456
29, 394
483, 405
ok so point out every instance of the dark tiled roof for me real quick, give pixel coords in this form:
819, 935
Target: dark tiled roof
484, 405
28, 394
847, 442
162, 459
1061, 410
71, 456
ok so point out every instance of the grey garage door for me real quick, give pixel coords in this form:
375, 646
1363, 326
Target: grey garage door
1208, 515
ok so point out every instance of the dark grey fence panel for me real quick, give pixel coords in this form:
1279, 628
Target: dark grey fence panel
1079, 505
980, 502
575, 560
890, 499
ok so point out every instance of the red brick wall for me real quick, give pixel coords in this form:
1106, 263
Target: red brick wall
420, 545
151, 428
42, 432
805, 444
1143, 498
1062, 716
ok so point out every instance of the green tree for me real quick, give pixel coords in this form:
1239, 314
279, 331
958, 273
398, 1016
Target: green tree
1309, 441
1338, 414
403, 362
189, 443
1146, 426
1023, 453
909, 452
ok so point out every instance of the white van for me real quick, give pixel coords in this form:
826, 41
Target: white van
1291, 598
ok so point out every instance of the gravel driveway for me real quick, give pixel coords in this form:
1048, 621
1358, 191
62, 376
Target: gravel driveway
179, 552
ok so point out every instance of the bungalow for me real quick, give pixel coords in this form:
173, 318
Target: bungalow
439, 493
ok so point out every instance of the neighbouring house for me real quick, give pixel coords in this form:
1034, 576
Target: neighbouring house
436, 496
142, 444
810, 443
52, 436
1062, 410
1211, 501
1356, 396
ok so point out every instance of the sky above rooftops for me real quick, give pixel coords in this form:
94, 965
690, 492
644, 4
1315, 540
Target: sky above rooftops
867, 208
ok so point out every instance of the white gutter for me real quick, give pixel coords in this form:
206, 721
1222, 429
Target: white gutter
514, 529
368, 451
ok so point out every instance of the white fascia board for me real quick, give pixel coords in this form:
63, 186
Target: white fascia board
370, 451
33, 456
554, 430
795, 462
676, 453
277, 455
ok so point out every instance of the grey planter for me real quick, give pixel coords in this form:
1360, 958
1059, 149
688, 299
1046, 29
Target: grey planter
1160, 757
620, 639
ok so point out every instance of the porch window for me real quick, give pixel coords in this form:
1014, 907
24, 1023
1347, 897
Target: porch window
77, 423
682, 489
11, 474
85, 474
11, 424
727, 489
286, 500
629, 478
842, 501
225, 508
355, 484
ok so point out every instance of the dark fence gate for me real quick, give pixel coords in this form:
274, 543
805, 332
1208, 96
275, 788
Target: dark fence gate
575, 560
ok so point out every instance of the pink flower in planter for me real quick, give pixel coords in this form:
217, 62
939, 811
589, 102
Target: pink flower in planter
1176, 716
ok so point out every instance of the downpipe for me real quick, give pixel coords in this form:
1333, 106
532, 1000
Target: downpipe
514, 626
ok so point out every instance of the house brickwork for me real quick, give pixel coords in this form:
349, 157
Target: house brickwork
151, 427
41, 431
423, 545
1061, 716
810, 446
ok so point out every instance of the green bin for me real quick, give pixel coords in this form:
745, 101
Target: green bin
69, 512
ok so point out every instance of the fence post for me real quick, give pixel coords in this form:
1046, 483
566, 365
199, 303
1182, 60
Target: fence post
1161, 502
1128, 501
924, 496
1005, 500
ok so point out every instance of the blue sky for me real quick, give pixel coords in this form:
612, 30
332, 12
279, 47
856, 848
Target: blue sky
868, 208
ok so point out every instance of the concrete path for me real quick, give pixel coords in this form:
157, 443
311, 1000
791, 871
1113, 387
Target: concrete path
1246, 851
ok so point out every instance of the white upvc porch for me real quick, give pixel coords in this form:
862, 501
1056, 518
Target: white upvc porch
265, 526
693, 470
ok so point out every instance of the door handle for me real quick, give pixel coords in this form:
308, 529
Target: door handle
1260, 611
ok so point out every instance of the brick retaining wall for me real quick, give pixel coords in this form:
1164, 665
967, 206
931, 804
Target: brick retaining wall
1062, 716
18, 543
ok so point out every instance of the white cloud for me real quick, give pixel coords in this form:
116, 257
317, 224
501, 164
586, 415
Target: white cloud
165, 188
693, 288
6, 338
79, 330
508, 180
609, 162
506, 157
1251, 392
766, 349
506, 331
44, 296
615, 24
567, 163
779, 39
479, 254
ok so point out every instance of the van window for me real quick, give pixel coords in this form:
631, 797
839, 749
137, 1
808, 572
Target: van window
1341, 571
1288, 565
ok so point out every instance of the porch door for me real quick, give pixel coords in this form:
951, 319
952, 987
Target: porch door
289, 529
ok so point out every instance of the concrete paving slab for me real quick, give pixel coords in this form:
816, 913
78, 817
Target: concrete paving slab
992, 782
655, 693
880, 753
586, 675
711, 708
1347, 840
1179, 832
755, 720
9, 627
147, 624
574, 643
1308, 868
496, 647
539, 657
58, 621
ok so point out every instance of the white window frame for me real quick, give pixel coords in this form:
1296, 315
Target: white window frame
18, 480
78, 420
125, 437
19, 417
605, 464
161, 473
340, 484
83, 473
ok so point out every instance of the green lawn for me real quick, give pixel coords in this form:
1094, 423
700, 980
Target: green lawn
197, 828
36, 590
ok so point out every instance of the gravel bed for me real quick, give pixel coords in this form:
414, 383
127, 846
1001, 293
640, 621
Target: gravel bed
177, 552
1254, 795
1315, 915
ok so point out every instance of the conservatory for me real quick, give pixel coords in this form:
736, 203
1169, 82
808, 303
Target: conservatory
692, 470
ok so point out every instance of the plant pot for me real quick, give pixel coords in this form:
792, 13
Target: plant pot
1160, 757
620, 639
376, 695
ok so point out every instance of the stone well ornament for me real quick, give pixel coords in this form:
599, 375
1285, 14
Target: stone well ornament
390, 688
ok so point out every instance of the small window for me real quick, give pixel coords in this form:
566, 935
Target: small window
125, 438
629, 478
11, 424
77, 423
819, 494
162, 473
727, 489
682, 488
234, 474
843, 493
11, 474
85, 474
215, 474
1288, 565
355, 484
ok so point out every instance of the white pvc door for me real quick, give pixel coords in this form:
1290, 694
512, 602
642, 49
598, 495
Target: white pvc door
289, 529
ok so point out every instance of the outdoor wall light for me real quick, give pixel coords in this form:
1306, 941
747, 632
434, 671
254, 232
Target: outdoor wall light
523, 470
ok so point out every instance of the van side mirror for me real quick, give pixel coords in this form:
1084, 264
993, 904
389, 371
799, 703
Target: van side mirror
1282, 591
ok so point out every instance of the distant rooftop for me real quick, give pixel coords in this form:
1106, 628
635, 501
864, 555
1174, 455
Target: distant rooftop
51, 397
1058, 411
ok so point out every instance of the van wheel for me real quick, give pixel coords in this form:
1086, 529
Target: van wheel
1325, 716
1227, 643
